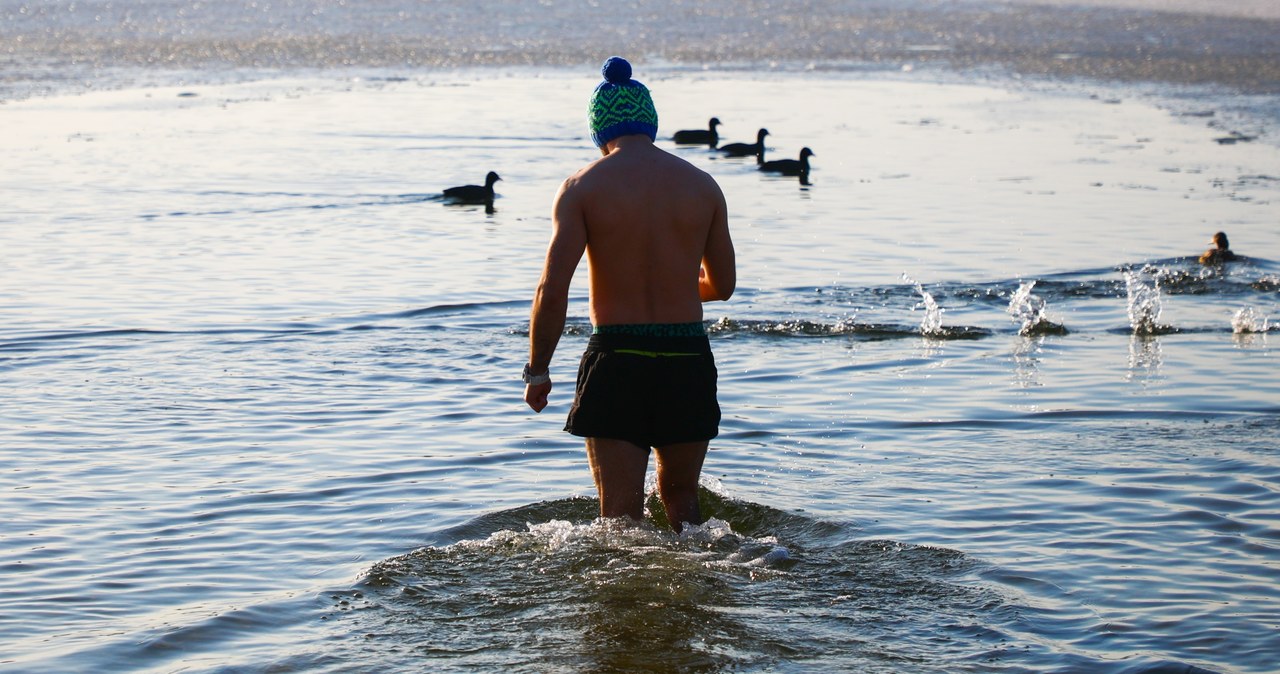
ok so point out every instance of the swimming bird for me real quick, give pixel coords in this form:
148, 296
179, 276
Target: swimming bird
699, 136
473, 194
1221, 251
747, 149
791, 167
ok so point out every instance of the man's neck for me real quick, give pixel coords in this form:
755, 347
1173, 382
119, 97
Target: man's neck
629, 141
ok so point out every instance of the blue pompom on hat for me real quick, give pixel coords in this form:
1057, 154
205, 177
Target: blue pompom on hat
620, 106
616, 70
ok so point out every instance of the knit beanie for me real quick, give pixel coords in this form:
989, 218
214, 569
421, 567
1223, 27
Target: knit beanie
620, 105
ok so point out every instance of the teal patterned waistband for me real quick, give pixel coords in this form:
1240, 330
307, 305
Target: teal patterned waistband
652, 329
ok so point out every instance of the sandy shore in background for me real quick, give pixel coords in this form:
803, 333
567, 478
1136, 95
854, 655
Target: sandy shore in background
62, 45
1256, 9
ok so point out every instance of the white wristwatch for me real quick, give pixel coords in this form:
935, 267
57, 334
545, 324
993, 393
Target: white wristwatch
535, 379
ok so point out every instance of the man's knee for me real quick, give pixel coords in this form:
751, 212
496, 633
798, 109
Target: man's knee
680, 465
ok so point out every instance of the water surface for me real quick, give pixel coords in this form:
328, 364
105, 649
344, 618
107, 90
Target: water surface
983, 409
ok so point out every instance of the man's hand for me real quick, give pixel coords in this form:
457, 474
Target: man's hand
536, 395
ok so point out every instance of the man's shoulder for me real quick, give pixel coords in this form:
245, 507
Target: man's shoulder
615, 170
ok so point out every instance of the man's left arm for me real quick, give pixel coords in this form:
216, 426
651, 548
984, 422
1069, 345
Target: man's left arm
718, 275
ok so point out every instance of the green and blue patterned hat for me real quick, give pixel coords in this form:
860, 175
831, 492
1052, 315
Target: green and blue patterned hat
620, 105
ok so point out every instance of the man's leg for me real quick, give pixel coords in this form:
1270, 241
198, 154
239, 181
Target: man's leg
679, 467
619, 467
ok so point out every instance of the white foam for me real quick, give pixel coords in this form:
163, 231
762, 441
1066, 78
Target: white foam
1247, 321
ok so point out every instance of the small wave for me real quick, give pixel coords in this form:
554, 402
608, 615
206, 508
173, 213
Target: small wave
461, 308
31, 342
807, 328
358, 201
36, 341
1176, 276
1267, 284
838, 328
1142, 288
1248, 320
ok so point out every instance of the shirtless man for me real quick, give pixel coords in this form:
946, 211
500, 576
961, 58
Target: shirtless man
656, 234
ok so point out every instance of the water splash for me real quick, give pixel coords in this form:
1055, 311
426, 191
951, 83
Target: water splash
1029, 310
1145, 302
1249, 321
583, 596
931, 323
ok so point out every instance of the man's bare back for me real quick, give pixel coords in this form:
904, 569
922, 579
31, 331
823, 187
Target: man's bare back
649, 218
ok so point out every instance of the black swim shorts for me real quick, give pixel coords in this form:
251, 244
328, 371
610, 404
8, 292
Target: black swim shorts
649, 390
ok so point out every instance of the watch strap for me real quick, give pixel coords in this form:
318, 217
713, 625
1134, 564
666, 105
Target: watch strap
535, 379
